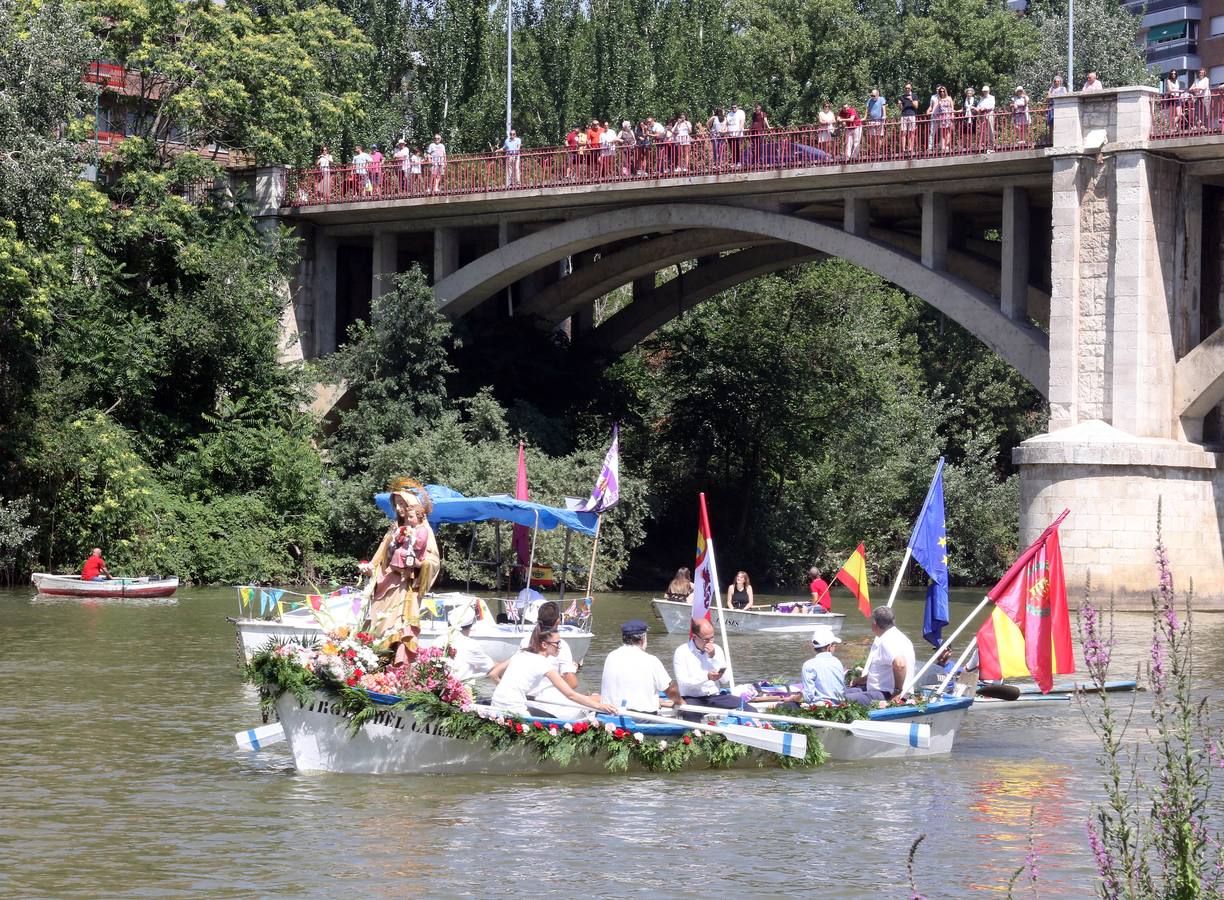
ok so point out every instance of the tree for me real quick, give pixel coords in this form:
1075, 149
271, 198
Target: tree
1106, 41
269, 79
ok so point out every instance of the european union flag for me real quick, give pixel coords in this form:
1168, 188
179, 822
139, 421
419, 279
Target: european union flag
929, 544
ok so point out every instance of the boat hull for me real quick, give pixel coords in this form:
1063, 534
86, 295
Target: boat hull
677, 615
498, 641
396, 743
73, 586
1048, 702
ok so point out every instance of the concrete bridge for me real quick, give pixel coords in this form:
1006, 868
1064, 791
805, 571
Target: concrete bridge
1092, 265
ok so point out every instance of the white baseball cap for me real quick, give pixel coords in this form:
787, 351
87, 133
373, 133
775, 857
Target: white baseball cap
823, 636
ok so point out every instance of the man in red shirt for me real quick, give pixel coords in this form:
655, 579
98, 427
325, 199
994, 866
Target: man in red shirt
852, 128
820, 590
95, 567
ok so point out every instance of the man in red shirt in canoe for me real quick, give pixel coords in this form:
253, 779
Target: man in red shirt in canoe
95, 567
820, 590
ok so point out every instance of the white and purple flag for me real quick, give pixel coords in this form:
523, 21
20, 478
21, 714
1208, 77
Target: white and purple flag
607, 485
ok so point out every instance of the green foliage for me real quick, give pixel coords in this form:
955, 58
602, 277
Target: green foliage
405, 422
16, 535
1106, 41
262, 78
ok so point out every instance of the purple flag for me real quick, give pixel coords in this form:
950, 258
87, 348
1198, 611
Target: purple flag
607, 485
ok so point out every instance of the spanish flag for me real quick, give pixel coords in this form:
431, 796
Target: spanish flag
1029, 629
854, 576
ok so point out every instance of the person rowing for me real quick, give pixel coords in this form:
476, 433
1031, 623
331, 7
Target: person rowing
632, 678
530, 670
95, 567
469, 661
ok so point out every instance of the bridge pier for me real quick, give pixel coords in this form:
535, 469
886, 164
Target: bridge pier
1124, 309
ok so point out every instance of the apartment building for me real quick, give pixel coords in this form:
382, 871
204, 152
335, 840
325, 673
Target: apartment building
1185, 35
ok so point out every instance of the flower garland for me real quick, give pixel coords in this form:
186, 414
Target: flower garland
432, 694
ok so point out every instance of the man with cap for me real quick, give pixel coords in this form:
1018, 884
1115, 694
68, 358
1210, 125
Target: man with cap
823, 676
469, 661
632, 678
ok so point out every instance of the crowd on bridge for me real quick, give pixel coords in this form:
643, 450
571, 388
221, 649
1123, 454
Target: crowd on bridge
729, 139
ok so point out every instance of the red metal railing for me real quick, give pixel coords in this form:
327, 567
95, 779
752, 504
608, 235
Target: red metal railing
1187, 114
797, 148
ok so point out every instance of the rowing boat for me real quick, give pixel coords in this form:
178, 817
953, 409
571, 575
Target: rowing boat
74, 586
677, 615
1048, 702
397, 742
499, 641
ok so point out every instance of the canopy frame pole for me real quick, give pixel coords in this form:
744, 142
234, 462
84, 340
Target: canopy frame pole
594, 550
564, 566
909, 552
471, 552
910, 682
497, 557
722, 623
969, 648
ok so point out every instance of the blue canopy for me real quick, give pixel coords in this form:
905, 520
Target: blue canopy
450, 506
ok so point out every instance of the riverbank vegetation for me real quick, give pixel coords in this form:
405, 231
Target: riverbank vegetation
144, 405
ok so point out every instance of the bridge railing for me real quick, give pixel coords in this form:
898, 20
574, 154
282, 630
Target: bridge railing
1186, 114
794, 148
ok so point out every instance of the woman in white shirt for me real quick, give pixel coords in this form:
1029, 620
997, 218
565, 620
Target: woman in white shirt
827, 121
531, 670
437, 164
324, 162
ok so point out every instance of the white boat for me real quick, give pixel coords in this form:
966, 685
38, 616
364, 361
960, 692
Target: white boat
498, 641
676, 616
396, 743
74, 586
1048, 702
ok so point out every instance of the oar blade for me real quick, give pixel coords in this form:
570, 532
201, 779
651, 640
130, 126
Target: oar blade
786, 743
916, 735
257, 738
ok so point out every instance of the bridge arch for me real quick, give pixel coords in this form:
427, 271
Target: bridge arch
1023, 346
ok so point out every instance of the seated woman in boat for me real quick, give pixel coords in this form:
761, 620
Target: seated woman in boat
529, 671
681, 588
739, 592
548, 618
403, 569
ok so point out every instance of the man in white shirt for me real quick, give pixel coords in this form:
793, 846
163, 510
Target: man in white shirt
512, 146
700, 668
1092, 84
984, 115
402, 155
889, 662
632, 678
436, 153
735, 131
361, 168
469, 661
1200, 90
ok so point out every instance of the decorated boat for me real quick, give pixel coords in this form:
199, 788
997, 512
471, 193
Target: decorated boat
74, 586
677, 614
417, 719
306, 624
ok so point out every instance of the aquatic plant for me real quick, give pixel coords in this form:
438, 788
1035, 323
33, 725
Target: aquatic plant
1151, 836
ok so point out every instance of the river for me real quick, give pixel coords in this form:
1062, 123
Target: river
119, 776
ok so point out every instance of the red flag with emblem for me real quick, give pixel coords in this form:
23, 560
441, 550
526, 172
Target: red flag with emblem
1029, 630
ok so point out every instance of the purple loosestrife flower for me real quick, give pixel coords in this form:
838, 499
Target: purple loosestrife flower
1104, 862
1156, 671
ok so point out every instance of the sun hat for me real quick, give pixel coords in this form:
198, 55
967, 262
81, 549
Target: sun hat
823, 636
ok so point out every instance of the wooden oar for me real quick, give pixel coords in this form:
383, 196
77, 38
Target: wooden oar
785, 743
903, 734
258, 738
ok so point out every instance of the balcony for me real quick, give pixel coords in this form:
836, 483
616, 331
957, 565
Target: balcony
1160, 6
1166, 51
1178, 11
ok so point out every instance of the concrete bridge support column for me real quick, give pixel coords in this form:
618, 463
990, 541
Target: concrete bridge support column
386, 262
1123, 221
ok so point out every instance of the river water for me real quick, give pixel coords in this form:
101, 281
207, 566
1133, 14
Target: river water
119, 776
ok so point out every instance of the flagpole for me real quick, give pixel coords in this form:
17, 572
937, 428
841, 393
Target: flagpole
909, 552
594, 550
909, 548
943, 685
910, 682
722, 624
